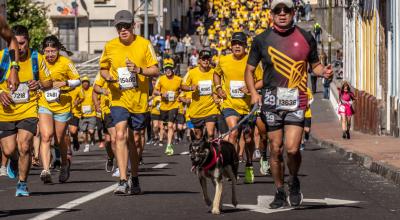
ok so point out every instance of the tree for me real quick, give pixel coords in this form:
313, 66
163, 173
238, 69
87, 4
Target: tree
32, 15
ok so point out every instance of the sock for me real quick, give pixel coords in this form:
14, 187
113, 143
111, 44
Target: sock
306, 135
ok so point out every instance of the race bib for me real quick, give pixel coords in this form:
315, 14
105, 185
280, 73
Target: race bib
235, 87
52, 95
205, 87
287, 99
86, 109
158, 106
171, 96
21, 95
126, 79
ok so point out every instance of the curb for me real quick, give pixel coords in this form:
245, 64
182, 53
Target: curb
385, 170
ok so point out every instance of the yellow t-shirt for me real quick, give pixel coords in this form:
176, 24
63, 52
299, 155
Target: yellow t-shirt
20, 111
171, 87
231, 72
310, 98
88, 108
75, 94
63, 69
105, 100
140, 52
155, 105
202, 102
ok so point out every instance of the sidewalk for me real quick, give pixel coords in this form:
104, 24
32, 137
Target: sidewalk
379, 154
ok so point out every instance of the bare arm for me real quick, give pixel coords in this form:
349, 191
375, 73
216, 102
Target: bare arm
321, 70
95, 99
217, 83
8, 36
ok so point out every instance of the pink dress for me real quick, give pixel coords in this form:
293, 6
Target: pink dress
345, 102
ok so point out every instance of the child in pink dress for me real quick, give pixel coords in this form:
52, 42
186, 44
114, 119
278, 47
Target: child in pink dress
345, 109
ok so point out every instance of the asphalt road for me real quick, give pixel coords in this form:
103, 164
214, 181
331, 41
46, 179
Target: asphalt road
334, 188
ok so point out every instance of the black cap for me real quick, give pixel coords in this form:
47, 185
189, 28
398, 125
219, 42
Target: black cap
205, 53
123, 16
239, 36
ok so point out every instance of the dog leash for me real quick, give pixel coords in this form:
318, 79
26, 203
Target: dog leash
253, 110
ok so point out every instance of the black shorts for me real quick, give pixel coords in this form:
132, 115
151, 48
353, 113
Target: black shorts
201, 122
10, 128
155, 117
180, 119
169, 116
99, 124
74, 121
277, 119
307, 122
222, 127
107, 122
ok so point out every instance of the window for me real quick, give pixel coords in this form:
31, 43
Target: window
101, 23
104, 3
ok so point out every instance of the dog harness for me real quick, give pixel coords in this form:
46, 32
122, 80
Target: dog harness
216, 156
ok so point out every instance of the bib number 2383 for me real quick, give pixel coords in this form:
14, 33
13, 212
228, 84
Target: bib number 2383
52, 95
126, 79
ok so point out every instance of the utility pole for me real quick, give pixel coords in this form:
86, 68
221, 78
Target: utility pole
146, 19
330, 31
159, 17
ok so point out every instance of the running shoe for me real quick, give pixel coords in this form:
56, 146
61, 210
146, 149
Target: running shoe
45, 176
134, 185
22, 189
87, 148
264, 167
348, 134
160, 144
35, 162
109, 165
3, 171
122, 188
149, 142
302, 147
116, 173
12, 168
56, 164
241, 160
295, 195
257, 154
279, 200
249, 175
169, 151
64, 172
76, 145
141, 161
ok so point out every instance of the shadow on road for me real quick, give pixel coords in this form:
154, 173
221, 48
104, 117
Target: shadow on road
170, 192
16, 212
55, 193
319, 206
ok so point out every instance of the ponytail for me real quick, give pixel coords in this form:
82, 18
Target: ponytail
53, 41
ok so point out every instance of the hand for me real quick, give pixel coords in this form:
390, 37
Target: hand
59, 84
181, 99
77, 102
33, 85
132, 67
164, 95
98, 109
221, 93
256, 99
5, 99
13, 80
194, 88
217, 100
245, 90
105, 92
328, 71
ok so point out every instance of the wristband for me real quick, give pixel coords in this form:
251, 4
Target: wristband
73, 83
141, 70
217, 87
14, 63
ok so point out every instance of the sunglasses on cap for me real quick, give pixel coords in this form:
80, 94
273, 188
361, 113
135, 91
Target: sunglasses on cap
119, 26
278, 10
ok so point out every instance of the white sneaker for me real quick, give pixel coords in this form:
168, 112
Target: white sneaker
87, 147
257, 154
116, 173
3, 171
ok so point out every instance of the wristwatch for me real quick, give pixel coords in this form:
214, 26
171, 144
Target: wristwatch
15, 65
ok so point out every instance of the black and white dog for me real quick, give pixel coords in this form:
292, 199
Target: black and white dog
214, 160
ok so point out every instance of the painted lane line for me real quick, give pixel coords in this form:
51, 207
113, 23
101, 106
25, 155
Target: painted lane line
185, 153
68, 206
160, 166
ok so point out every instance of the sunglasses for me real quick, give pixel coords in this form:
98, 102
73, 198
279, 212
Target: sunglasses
278, 10
123, 25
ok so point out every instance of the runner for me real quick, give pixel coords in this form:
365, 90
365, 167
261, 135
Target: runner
100, 88
55, 106
202, 110
284, 51
73, 124
18, 112
157, 126
307, 119
88, 122
168, 87
131, 60
229, 84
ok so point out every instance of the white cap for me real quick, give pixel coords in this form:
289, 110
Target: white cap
288, 3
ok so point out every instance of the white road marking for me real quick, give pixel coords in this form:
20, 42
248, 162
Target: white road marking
185, 153
263, 204
68, 206
160, 166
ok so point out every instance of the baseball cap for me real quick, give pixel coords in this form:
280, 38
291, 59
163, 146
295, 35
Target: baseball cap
205, 53
85, 78
168, 66
123, 16
239, 36
288, 3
